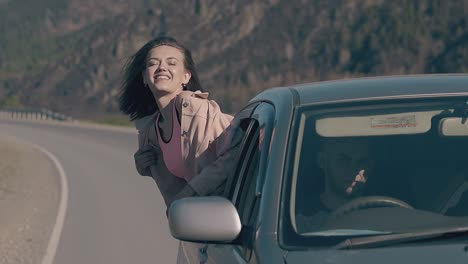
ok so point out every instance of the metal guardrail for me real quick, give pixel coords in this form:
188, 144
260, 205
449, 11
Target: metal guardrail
33, 114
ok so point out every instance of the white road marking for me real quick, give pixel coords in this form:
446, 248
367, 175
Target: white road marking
57, 230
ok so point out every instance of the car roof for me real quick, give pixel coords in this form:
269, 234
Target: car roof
387, 87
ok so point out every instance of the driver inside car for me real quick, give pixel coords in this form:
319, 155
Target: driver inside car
346, 165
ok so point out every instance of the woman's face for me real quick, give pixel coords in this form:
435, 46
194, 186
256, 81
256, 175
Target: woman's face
165, 72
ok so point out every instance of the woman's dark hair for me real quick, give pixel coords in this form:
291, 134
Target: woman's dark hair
136, 99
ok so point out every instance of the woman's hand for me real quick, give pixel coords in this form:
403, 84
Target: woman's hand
146, 157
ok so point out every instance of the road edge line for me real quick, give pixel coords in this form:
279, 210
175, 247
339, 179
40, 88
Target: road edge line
60, 219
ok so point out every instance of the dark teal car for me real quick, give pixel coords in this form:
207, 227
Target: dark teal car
370, 170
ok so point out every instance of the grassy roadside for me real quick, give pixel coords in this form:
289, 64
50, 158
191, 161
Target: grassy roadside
114, 121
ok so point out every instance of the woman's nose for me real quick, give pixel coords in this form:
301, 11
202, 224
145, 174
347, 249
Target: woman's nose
162, 66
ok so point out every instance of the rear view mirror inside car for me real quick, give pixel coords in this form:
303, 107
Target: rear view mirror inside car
453, 127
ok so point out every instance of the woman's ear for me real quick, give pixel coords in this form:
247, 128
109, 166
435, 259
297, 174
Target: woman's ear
187, 77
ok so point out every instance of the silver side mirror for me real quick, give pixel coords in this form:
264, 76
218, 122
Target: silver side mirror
204, 219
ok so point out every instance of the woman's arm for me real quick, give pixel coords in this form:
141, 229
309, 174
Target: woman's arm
211, 179
216, 137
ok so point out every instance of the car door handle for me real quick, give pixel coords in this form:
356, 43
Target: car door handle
203, 254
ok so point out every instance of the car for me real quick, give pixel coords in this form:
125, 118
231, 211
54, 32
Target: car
400, 197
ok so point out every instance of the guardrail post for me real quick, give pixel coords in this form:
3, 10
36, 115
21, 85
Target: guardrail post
33, 114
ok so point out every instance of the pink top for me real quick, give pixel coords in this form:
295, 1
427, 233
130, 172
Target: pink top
172, 150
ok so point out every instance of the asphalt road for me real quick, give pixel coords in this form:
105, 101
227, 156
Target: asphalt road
113, 215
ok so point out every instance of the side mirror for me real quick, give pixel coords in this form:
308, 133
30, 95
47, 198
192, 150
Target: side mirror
453, 127
204, 219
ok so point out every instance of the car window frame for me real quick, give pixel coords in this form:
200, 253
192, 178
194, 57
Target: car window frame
262, 118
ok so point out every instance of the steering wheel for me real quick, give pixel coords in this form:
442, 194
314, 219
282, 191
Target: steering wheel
368, 202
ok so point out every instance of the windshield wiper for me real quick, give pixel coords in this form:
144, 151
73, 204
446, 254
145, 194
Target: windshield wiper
399, 238
345, 232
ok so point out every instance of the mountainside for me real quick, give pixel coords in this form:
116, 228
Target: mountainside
67, 55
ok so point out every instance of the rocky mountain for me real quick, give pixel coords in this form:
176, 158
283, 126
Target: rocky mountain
67, 55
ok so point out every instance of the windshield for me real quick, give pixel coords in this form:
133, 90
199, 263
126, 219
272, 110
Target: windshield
376, 170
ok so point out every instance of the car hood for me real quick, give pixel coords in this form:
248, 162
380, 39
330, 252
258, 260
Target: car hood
453, 253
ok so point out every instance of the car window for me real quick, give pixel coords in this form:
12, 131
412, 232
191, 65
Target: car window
254, 156
232, 185
244, 191
380, 168
250, 187
247, 168
245, 200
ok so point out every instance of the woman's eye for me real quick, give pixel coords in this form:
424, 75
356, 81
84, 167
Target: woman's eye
152, 63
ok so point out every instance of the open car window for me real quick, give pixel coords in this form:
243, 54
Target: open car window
379, 169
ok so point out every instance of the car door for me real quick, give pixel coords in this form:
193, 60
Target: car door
244, 189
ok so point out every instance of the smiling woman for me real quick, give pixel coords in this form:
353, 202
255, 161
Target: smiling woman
165, 73
180, 129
